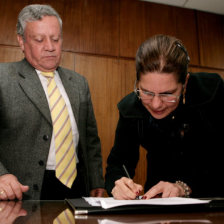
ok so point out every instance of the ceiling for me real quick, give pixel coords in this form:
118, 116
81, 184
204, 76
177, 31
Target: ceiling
213, 6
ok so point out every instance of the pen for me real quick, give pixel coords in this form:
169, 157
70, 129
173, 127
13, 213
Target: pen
126, 172
128, 176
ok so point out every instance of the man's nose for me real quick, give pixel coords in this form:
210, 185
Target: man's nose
49, 45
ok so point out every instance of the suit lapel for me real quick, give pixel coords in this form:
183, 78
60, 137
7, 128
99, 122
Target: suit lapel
31, 85
72, 89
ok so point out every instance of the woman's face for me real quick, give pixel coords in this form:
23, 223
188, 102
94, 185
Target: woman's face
159, 93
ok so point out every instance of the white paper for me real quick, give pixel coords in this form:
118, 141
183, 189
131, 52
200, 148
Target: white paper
110, 202
109, 221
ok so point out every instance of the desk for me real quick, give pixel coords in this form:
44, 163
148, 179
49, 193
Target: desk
44, 212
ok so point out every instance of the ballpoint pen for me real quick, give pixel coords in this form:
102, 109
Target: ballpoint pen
126, 172
128, 176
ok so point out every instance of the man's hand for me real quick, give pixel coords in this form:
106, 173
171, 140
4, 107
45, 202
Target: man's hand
164, 190
10, 211
126, 189
11, 188
98, 192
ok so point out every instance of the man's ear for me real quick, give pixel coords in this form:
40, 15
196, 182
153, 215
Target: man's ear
20, 41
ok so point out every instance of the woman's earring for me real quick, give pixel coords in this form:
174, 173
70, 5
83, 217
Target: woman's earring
184, 99
184, 92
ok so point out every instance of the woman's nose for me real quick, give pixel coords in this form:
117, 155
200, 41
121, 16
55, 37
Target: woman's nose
156, 102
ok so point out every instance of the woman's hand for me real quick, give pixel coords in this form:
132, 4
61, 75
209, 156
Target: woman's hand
165, 190
126, 189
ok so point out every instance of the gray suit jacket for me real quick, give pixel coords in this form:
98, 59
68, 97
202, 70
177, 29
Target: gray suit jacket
26, 128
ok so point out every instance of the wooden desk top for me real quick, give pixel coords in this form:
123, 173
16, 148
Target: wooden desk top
44, 212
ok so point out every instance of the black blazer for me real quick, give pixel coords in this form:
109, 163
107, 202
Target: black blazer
187, 145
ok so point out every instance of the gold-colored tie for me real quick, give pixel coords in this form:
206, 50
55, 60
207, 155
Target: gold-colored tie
66, 217
64, 146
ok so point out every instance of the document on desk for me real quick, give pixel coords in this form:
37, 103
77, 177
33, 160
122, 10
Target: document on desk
194, 221
94, 205
110, 202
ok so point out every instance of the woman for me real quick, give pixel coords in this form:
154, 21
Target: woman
178, 118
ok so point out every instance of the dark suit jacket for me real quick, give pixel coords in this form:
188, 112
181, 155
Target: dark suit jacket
26, 128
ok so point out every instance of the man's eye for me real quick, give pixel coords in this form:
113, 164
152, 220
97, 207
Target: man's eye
38, 40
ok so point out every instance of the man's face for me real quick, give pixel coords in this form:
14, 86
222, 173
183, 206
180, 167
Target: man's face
42, 44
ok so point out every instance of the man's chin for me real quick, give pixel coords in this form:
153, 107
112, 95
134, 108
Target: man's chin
49, 66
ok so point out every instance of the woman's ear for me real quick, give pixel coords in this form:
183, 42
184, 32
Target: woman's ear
186, 80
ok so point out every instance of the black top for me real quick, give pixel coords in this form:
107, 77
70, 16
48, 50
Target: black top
186, 145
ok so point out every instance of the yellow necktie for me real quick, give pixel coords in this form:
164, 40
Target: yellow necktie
66, 217
64, 146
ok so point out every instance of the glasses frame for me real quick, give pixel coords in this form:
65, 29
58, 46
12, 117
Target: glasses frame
137, 92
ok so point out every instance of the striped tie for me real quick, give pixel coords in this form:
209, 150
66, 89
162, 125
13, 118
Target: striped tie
66, 217
64, 147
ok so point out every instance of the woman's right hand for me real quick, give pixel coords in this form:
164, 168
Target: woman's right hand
126, 189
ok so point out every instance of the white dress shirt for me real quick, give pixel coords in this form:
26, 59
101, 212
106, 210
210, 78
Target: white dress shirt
51, 162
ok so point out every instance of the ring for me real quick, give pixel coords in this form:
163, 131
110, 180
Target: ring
2, 192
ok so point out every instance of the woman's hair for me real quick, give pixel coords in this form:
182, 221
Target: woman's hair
32, 13
163, 54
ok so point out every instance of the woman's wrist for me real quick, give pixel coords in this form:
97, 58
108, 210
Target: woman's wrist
185, 187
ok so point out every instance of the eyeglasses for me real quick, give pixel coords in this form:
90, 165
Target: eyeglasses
148, 96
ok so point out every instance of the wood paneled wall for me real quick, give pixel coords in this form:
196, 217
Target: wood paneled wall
101, 38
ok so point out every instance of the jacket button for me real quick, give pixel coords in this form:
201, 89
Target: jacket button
41, 162
45, 137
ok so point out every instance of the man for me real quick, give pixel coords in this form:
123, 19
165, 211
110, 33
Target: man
46, 153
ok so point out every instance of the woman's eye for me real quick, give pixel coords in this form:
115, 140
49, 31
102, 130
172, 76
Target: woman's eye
147, 93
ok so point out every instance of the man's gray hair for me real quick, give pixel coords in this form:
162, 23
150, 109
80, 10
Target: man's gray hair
32, 13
